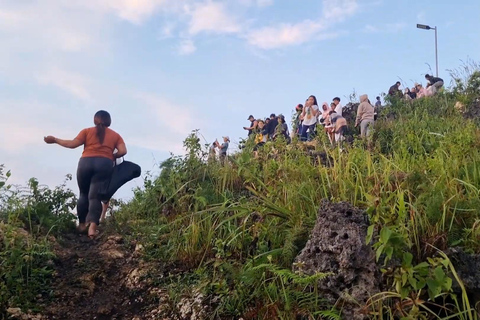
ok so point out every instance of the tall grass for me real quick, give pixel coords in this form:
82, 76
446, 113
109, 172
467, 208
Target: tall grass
238, 227
30, 218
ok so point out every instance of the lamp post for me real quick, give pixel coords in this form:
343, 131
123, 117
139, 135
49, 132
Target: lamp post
425, 27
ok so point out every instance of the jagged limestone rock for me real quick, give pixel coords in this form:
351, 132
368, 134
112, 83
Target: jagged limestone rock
337, 245
467, 267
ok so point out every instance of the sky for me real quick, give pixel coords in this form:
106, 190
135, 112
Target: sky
163, 68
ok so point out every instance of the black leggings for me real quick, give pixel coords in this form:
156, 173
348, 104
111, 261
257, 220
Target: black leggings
93, 175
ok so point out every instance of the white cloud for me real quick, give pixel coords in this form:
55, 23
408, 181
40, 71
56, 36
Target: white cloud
211, 17
134, 11
339, 10
24, 123
10, 19
370, 29
386, 28
186, 47
421, 16
164, 124
167, 31
283, 35
172, 116
75, 84
47, 27
264, 3
258, 3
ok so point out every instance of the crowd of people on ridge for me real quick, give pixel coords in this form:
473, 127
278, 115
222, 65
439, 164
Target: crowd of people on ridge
417, 91
309, 118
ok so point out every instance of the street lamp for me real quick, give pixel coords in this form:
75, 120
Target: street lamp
425, 27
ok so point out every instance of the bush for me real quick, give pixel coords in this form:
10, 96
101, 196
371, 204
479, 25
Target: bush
29, 218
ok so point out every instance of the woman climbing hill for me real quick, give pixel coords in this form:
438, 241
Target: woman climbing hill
94, 167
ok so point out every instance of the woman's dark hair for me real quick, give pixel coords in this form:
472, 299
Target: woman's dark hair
314, 100
102, 121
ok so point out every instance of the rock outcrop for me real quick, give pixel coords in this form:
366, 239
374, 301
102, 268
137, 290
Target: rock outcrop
467, 267
337, 246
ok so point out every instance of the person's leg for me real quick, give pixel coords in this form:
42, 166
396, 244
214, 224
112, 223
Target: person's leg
363, 128
436, 86
84, 175
104, 211
303, 133
311, 132
368, 128
337, 137
103, 168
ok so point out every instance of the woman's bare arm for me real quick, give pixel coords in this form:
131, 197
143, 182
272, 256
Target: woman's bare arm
121, 150
71, 144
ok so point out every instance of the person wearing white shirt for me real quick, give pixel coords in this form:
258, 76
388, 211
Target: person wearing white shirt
338, 106
309, 117
338, 110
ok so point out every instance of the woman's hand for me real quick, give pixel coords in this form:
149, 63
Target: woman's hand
49, 139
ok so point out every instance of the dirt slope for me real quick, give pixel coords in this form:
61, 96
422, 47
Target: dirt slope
98, 279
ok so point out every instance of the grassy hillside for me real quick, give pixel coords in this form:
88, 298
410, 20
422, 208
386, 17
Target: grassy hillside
231, 232
224, 237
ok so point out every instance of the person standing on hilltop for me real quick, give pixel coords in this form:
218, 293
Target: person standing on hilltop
297, 122
95, 167
322, 112
338, 106
338, 124
222, 148
395, 91
260, 137
378, 103
282, 129
434, 82
309, 117
272, 126
365, 116
253, 125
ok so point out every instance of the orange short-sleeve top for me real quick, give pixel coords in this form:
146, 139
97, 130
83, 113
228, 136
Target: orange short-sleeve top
92, 146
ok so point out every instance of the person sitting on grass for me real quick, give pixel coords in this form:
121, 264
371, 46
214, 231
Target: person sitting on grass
421, 92
406, 94
95, 167
413, 93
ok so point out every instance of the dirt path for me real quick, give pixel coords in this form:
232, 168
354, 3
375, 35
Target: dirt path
97, 279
